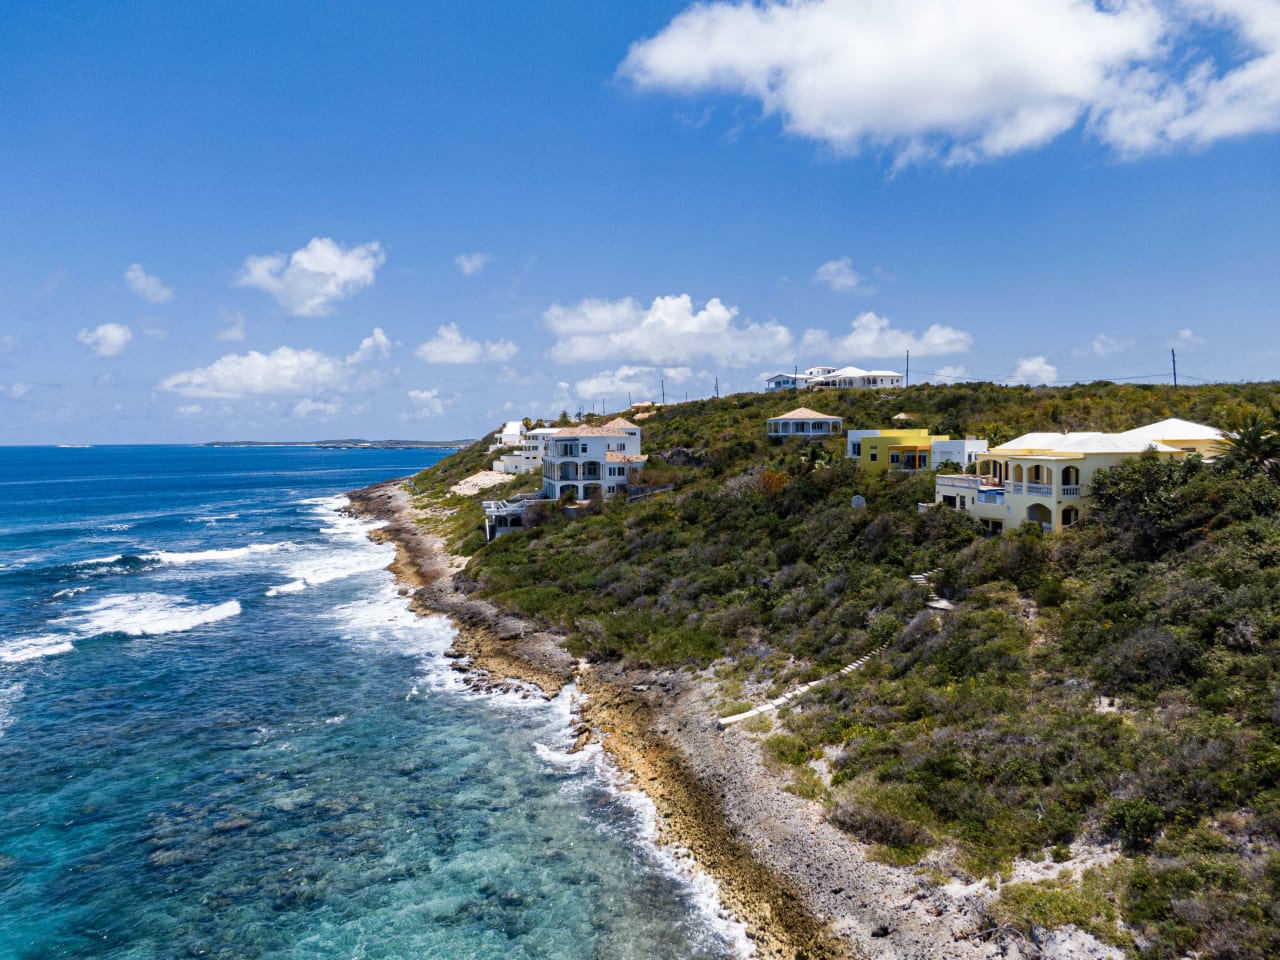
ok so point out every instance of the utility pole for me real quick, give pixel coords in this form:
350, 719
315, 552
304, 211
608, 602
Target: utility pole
717, 388
629, 404
664, 391
907, 380
1174, 354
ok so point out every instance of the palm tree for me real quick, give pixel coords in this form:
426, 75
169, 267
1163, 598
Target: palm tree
1252, 441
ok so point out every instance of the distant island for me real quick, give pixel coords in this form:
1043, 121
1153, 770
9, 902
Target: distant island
346, 444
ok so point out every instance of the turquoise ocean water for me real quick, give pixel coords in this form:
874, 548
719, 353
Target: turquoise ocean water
222, 735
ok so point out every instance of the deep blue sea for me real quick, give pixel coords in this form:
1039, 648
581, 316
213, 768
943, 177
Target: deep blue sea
223, 735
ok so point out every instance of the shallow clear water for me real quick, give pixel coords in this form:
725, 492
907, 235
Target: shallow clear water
221, 734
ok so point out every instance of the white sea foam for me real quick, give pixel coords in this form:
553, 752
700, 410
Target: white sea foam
116, 527
223, 555
146, 615
214, 519
293, 586
69, 592
10, 694
21, 649
99, 561
676, 861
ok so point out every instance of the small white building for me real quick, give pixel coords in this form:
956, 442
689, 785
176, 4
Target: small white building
964, 452
509, 436
803, 422
585, 461
533, 448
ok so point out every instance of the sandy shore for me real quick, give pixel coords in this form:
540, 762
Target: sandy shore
803, 888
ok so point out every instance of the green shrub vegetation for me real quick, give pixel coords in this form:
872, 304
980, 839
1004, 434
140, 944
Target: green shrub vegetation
1116, 682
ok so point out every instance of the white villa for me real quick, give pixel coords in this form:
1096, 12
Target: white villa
1044, 477
586, 461
803, 422
528, 459
509, 436
819, 378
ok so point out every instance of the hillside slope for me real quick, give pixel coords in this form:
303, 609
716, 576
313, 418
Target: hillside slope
1106, 697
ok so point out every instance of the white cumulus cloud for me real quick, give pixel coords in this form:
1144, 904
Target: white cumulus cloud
1105, 345
471, 263
983, 78
106, 339
952, 373
146, 285
312, 408
307, 282
871, 335
14, 391
1033, 371
449, 345
426, 404
284, 371
1188, 339
669, 330
643, 383
839, 275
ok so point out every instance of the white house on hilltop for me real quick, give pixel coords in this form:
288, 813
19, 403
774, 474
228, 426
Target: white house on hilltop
528, 459
819, 378
585, 461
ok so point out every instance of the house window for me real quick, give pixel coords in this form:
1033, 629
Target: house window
857, 449
893, 458
873, 456
923, 460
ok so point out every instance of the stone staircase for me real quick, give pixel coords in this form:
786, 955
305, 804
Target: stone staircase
771, 705
934, 602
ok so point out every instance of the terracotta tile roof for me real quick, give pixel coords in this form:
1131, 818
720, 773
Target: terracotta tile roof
622, 423
617, 456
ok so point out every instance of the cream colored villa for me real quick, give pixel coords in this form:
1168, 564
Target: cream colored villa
584, 461
1044, 477
803, 422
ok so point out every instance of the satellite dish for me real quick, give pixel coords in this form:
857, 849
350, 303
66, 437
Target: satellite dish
859, 502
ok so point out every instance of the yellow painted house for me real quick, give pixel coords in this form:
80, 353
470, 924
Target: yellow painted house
1044, 477
895, 449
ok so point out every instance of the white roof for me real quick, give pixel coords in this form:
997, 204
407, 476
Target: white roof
1175, 429
883, 373
1153, 436
512, 426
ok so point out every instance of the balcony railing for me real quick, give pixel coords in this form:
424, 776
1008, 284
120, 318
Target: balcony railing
1011, 487
1071, 490
952, 480
1040, 489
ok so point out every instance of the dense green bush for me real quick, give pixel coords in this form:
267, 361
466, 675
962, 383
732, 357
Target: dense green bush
1116, 681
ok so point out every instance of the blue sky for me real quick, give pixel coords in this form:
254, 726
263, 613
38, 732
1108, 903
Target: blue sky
290, 221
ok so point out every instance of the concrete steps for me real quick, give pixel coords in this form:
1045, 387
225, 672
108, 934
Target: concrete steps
771, 705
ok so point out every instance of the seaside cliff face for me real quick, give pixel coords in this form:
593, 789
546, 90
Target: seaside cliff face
1078, 758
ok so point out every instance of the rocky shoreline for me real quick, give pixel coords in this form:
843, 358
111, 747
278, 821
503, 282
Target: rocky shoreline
803, 888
